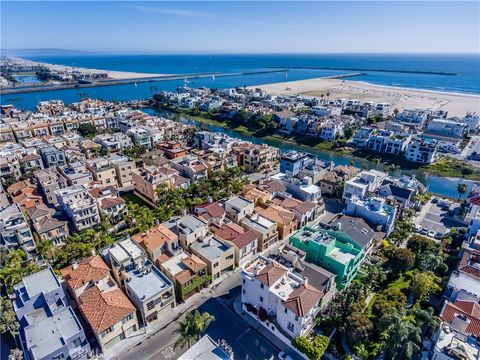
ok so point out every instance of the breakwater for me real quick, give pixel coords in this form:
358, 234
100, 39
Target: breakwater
111, 82
447, 73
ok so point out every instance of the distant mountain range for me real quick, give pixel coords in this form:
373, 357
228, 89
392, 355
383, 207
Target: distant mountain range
43, 52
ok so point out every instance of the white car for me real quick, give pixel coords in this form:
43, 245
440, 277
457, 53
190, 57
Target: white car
432, 233
418, 228
283, 356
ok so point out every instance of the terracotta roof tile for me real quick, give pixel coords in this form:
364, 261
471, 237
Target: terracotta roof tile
303, 299
92, 268
270, 274
155, 237
104, 309
469, 309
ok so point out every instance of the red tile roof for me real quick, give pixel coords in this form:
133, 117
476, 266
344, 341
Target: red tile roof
109, 202
470, 263
155, 237
92, 268
271, 273
469, 309
211, 209
104, 309
303, 299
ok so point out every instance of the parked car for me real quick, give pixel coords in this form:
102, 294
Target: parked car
432, 233
434, 200
424, 231
418, 228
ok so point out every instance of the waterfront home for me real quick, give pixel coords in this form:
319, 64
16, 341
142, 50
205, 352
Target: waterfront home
274, 294
388, 142
373, 210
245, 241
403, 190
260, 157
79, 206
14, 229
414, 118
159, 242
446, 128
291, 162
421, 150
140, 137
473, 122
334, 251
109, 313
149, 290
187, 272
49, 328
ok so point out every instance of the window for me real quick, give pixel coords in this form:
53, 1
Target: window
286, 310
243, 281
215, 265
296, 317
128, 318
261, 299
261, 286
77, 342
290, 327
150, 305
108, 331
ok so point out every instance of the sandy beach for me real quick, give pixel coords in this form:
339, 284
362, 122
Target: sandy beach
401, 98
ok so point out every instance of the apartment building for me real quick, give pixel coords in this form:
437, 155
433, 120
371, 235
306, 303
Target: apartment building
421, 151
53, 156
148, 179
103, 170
49, 181
123, 166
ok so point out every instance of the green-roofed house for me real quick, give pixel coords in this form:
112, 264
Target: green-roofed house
332, 250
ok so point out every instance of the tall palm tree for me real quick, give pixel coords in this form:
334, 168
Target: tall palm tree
402, 338
185, 330
462, 189
8, 319
201, 323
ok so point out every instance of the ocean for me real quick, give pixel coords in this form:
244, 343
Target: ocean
466, 68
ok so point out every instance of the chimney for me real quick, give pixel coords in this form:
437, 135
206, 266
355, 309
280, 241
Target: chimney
93, 252
339, 226
305, 281
74, 265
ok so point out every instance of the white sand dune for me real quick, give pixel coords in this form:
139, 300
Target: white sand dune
401, 98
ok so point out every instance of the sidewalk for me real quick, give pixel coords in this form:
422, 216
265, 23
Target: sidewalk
237, 305
145, 332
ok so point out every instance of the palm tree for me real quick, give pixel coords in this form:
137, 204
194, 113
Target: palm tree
432, 261
402, 337
201, 323
462, 189
185, 330
192, 327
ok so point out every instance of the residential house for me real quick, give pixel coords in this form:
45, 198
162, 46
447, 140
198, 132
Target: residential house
149, 290
52, 156
368, 181
103, 170
285, 219
79, 206
373, 210
422, 151
332, 250
107, 310
14, 229
159, 242
187, 272
272, 291
47, 226
245, 241
49, 328
49, 181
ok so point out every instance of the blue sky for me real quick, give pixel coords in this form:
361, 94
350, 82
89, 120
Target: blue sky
243, 27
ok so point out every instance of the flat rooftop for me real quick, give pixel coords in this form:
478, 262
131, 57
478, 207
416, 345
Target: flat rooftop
145, 284
210, 248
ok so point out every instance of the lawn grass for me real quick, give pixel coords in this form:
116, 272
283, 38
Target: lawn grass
403, 282
130, 197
